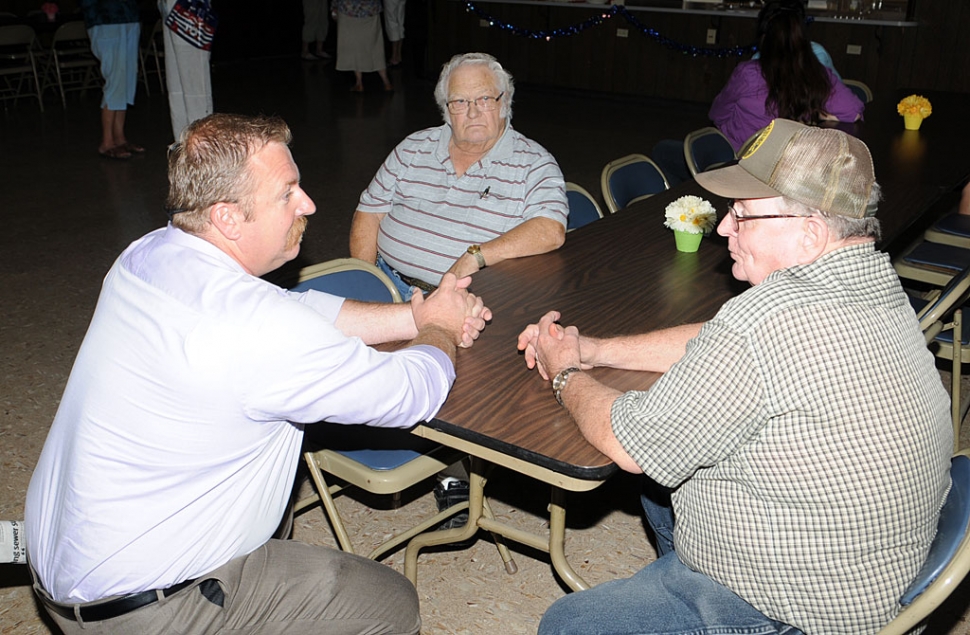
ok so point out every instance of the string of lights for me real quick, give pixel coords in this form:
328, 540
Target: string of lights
608, 14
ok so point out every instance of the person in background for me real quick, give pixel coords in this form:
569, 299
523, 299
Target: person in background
171, 459
114, 27
316, 25
768, 12
796, 458
394, 28
464, 195
787, 81
786, 39
186, 75
360, 41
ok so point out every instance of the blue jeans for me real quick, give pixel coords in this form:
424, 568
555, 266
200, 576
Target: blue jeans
664, 598
404, 288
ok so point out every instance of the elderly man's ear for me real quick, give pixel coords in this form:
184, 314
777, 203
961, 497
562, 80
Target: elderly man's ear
814, 239
227, 218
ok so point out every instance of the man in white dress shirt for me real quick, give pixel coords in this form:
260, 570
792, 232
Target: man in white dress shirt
172, 456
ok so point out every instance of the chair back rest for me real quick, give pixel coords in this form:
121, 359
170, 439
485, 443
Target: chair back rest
70, 32
629, 179
952, 295
583, 209
860, 89
707, 148
16, 35
951, 534
348, 278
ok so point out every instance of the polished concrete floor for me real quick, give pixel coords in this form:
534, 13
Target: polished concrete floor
65, 214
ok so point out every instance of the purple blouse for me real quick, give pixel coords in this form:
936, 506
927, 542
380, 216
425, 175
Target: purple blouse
739, 109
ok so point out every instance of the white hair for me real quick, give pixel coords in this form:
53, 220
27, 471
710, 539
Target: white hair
503, 82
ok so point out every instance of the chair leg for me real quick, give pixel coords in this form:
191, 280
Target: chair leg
326, 499
956, 377
503, 550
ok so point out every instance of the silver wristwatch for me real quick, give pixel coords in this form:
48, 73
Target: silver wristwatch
559, 382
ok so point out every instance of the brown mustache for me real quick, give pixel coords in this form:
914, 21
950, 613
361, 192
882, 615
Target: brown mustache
295, 236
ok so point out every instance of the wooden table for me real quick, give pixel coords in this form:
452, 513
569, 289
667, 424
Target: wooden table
622, 275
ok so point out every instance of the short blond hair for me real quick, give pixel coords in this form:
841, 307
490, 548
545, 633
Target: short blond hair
210, 164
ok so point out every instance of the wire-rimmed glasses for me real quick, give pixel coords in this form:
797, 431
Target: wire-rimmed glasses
740, 219
484, 104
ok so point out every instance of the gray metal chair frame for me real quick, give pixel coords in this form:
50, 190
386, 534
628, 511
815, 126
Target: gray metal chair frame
70, 63
579, 190
697, 136
352, 472
18, 64
612, 203
860, 89
152, 53
943, 578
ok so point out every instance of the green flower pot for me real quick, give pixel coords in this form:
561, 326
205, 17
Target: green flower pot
687, 242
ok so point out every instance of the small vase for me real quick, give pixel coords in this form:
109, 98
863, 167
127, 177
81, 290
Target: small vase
687, 242
912, 122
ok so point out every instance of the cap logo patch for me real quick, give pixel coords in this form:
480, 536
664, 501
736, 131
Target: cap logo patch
757, 142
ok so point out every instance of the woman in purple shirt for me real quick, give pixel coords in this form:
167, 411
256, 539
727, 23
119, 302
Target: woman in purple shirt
787, 81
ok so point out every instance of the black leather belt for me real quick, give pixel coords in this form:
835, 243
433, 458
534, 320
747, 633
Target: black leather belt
414, 282
112, 608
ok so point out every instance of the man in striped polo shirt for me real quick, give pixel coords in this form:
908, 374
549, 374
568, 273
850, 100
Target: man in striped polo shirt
463, 195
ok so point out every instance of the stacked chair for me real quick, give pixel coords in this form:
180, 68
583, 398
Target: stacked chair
151, 55
630, 179
376, 460
70, 64
18, 65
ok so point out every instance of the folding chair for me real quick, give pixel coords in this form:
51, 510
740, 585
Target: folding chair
706, 149
18, 66
940, 314
932, 263
630, 179
860, 89
583, 208
151, 53
70, 62
379, 461
949, 557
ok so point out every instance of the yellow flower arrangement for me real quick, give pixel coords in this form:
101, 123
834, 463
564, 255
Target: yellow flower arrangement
915, 105
691, 214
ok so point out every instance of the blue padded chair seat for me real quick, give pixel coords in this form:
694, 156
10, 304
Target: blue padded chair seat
582, 211
381, 459
939, 256
950, 531
357, 284
954, 224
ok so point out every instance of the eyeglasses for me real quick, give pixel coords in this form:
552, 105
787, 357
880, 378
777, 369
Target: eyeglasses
740, 219
484, 104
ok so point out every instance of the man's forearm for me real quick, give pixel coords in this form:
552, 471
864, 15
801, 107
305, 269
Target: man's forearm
535, 236
437, 337
656, 351
363, 236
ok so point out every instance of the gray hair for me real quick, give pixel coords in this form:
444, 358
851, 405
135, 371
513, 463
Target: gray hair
503, 82
842, 227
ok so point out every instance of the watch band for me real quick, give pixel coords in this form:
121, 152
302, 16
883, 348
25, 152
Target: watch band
476, 250
559, 382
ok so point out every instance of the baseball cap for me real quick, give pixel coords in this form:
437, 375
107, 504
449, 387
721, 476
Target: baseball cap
823, 168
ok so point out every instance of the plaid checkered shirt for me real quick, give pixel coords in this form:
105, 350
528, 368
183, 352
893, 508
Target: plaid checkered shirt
808, 436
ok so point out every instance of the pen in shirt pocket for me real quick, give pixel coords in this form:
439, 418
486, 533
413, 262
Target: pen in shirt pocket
485, 192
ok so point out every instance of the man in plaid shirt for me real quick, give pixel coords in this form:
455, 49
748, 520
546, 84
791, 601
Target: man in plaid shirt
800, 439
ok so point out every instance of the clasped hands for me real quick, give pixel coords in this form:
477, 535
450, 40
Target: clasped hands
452, 308
550, 347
